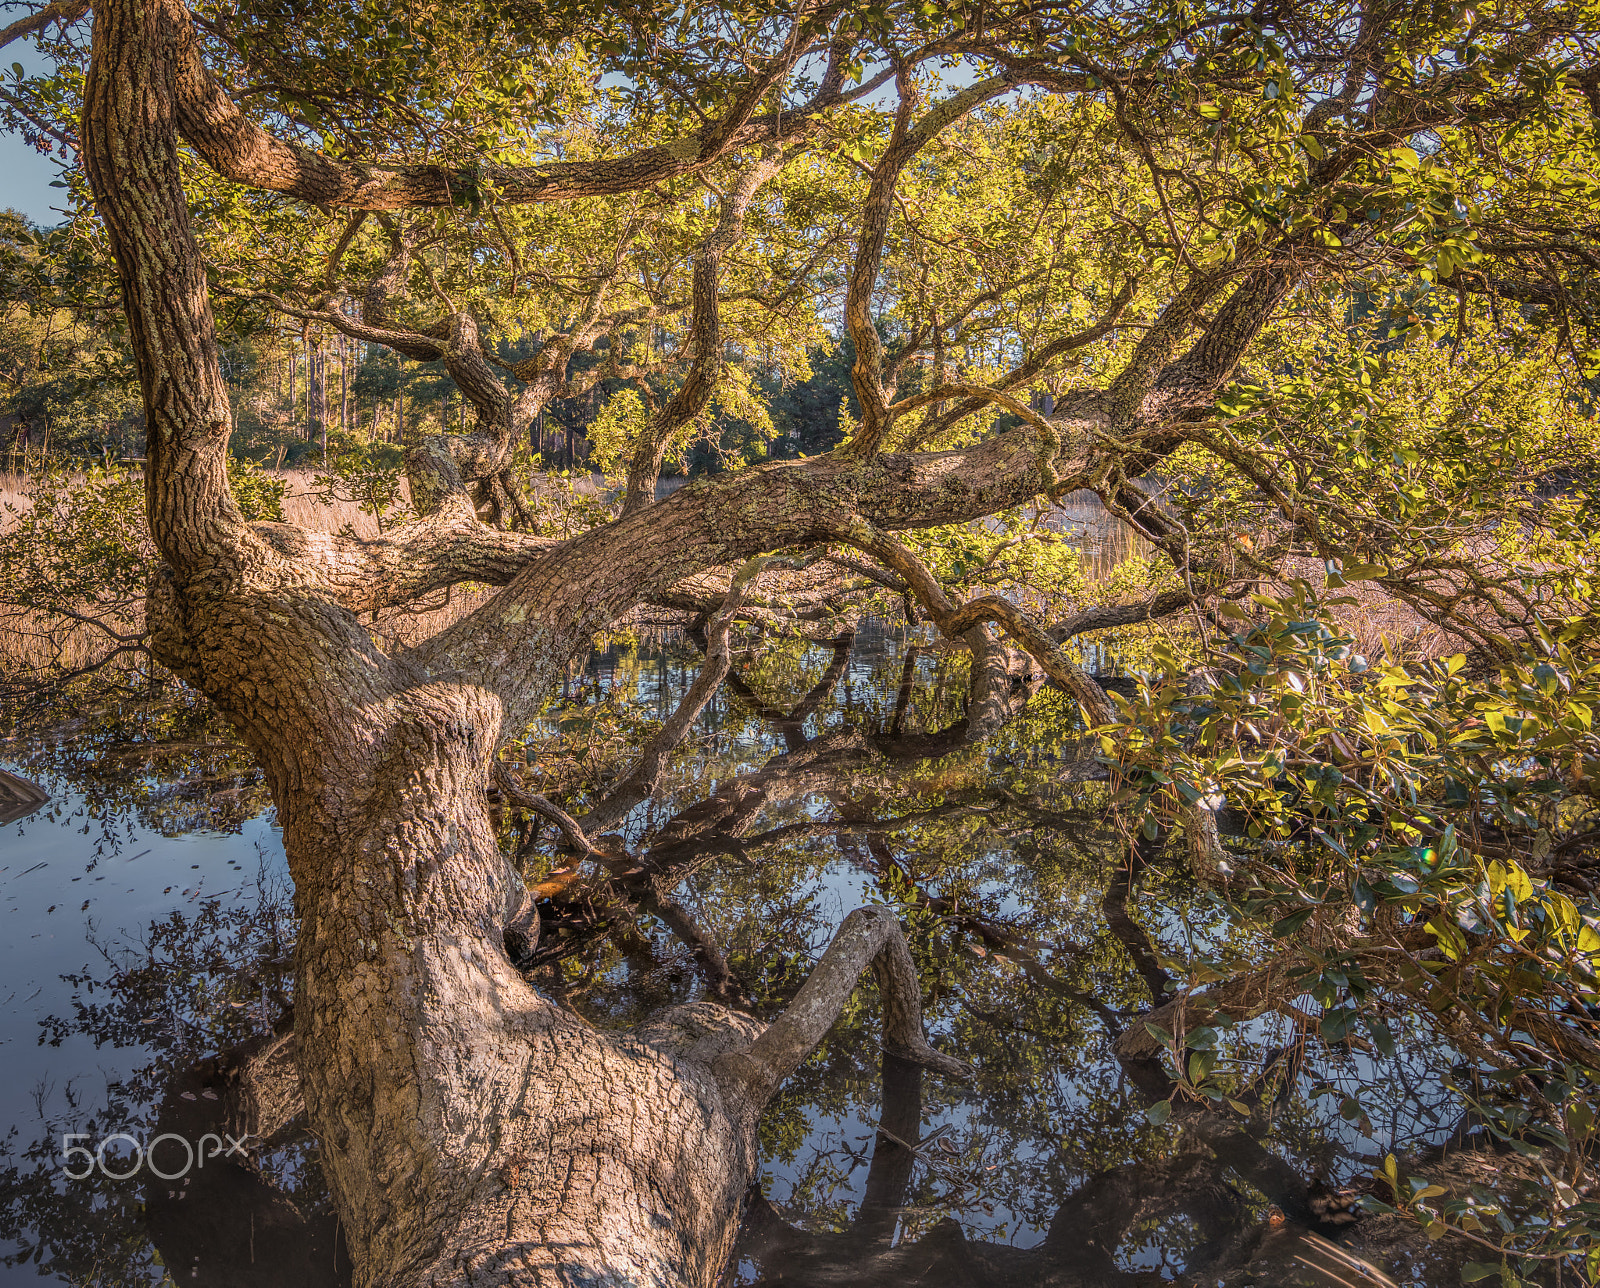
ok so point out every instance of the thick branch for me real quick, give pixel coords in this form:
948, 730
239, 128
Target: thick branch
239, 149
407, 562
130, 153
62, 11
516, 641
1106, 616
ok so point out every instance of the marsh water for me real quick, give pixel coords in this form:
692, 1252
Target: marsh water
149, 927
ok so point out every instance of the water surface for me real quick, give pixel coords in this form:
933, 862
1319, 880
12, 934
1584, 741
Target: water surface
149, 929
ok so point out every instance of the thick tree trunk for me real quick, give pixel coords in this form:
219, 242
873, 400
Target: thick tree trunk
472, 1131
475, 1132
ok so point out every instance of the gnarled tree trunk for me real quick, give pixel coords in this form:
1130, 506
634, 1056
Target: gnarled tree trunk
472, 1130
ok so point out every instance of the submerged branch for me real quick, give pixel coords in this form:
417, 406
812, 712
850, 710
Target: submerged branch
643, 778
514, 793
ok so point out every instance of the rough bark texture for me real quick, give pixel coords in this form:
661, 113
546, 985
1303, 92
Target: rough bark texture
472, 1130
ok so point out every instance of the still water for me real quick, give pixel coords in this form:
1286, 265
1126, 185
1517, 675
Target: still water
149, 928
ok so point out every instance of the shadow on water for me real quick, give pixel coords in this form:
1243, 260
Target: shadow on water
149, 975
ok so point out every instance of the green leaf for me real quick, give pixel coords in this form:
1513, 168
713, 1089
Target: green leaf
1288, 925
1473, 1271
1158, 1113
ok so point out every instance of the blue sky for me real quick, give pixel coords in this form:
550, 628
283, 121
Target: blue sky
25, 181
25, 175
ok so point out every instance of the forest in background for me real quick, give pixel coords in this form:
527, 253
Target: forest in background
303, 396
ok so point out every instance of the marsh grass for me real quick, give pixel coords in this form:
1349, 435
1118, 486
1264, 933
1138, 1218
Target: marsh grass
43, 645
12, 494
33, 643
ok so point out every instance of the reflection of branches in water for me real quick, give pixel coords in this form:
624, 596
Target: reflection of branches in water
217, 978
1214, 1193
1079, 1248
1188, 1206
205, 981
166, 761
1115, 906
672, 917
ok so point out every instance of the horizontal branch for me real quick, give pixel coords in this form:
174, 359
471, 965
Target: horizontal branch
519, 639
237, 148
1106, 616
411, 560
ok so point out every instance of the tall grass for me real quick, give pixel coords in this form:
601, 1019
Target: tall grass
11, 494
30, 642
34, 643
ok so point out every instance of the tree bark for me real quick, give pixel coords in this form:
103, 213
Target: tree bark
472, 1130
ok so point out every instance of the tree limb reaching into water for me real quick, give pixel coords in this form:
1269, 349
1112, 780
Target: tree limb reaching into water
472, 1130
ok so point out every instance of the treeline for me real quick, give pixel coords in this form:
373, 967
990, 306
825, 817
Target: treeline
69, 389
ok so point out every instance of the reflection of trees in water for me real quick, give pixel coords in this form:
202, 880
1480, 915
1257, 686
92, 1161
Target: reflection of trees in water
839, 779
165, 761
217, 979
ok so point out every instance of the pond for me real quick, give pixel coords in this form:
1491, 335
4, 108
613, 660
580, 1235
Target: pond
150, 931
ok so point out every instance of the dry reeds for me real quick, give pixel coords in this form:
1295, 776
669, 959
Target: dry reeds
44, 645
35, 643
304, 508
12, 494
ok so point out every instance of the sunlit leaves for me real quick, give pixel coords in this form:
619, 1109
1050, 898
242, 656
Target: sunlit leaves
1415, 798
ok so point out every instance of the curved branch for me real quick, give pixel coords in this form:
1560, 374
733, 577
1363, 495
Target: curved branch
237, 148
1027, 370
62, 11
905, 141
542, 806
868, 937
641, 779
704, 342
954, 622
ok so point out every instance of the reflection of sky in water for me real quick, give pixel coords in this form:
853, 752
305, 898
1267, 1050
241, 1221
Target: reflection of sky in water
1013, 1172
66, 884
75, 889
